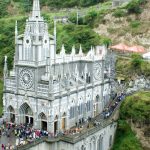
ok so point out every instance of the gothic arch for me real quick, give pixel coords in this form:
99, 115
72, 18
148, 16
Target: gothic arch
100, 143
93, 143
83, 147
42, 116
25, 109
26, 113
110, 141
10, 109
43, 121
11, 113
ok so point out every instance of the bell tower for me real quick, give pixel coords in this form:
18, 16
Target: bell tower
36, 44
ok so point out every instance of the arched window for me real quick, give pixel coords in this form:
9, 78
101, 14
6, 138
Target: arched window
97, 98
100, 143
89, 79
110, 141
83, 148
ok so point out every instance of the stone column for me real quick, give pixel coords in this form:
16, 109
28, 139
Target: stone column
67, 112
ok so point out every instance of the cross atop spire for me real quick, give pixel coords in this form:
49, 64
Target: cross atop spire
36, 9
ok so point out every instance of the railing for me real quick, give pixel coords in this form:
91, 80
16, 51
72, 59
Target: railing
29, 145
22, 62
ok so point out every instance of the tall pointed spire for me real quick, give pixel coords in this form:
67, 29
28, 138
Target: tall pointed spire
73, 51
5, 67
16, 31
62, 53
80, 51
36, 9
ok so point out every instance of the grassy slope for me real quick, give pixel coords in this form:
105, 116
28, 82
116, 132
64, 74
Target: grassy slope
125, 69
125, 138
136, 106
127, 28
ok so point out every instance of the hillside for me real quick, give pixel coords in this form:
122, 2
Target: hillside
17, 7
122, 27
134, 114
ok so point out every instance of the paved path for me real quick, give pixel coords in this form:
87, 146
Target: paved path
5, 140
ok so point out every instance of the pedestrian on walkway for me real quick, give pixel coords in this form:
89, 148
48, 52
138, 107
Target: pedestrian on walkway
3, 147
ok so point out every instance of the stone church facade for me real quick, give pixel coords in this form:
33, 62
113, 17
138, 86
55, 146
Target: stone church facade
53, 91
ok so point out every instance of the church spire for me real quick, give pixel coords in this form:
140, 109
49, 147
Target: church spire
36, 9
16, 32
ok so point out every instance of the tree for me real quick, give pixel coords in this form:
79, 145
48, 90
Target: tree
134, 7
136, 61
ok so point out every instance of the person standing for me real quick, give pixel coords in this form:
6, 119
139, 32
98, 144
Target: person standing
3, 147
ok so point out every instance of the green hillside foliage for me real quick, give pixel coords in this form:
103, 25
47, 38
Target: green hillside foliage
1, 95
3, 7
130, 67
7, 39
125, 138
135, 6
25, 6
136, 107
70, 35
69, 3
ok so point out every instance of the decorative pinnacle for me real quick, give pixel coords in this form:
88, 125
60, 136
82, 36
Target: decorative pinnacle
36, 9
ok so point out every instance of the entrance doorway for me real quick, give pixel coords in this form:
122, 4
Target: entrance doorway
63, 125
11, 112
43, 121
26, 119
55, 124
29, 119
44, 125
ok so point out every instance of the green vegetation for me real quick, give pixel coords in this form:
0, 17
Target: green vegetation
137, 109
130, 67
125, 138
136, 61
135, 6
8, 7
3, 7
135, 23
119, 13
70, 3
7, 30
70, 35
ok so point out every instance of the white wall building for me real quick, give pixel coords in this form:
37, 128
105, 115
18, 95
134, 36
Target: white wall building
53, 91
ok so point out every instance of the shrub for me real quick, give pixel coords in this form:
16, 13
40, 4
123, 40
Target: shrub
134, 7
119, 13
135, 24
136, 61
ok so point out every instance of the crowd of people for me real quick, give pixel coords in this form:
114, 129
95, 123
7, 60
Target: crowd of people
23, 134
109, 110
